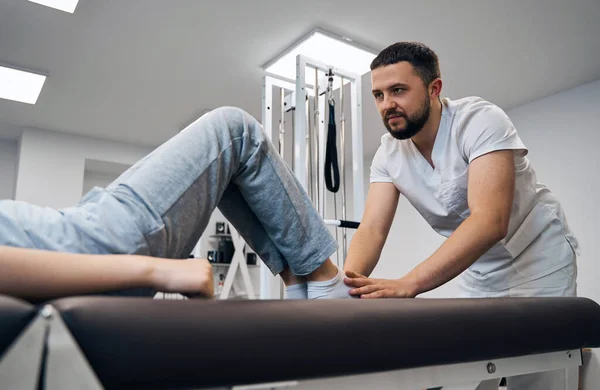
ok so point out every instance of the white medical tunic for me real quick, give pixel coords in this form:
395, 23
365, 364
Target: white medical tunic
539, 240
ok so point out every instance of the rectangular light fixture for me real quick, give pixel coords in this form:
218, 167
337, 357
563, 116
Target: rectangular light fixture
63, 5
20, 86
327, 48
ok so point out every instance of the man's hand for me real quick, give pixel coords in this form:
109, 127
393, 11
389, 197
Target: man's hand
369, 288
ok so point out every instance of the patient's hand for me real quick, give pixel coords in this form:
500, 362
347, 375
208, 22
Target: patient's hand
191, 277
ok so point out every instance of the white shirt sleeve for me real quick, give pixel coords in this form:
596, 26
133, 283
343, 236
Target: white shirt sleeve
486, 128
379, 173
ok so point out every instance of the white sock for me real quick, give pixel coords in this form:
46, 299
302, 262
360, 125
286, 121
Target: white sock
296, 291
329, 289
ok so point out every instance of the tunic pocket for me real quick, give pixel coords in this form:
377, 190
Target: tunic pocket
454, 194
539, 245
538, 219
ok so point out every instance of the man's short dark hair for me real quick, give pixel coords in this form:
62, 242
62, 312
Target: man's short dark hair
422, 58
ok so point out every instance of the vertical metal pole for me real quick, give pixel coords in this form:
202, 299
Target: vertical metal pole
339, 262
267, 111
343, 166
315, 156
300, 122
322, 150
308, 154
282, 123
293, 135
270, 287
282, 153
357, 149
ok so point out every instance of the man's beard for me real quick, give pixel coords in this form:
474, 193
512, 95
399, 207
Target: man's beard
414, 123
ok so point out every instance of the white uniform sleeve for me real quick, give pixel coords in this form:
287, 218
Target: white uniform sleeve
379, 173
486, 128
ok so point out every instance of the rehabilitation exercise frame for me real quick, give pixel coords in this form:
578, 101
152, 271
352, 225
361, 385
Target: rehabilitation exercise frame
299, 92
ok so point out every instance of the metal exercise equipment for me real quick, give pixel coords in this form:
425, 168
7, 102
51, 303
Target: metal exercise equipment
305, 101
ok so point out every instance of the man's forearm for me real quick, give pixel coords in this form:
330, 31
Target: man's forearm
475, 236
36, 274
364, 252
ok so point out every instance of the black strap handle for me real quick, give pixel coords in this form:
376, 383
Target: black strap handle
331, 158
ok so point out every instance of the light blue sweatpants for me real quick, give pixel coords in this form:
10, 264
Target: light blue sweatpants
161, 206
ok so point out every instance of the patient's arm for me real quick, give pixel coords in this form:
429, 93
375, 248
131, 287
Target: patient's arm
36, 274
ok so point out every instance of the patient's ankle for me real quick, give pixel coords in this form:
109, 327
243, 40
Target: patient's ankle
289, 279
326, 271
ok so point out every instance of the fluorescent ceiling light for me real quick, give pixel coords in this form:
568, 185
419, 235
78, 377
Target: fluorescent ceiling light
63, 5
20, 86
326, 48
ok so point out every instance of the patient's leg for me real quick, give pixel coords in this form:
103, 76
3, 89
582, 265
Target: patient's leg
225, 160
161, 206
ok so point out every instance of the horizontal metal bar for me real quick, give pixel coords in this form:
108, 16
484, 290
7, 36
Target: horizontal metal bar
452, 374
271, 82
316, 64
274, 81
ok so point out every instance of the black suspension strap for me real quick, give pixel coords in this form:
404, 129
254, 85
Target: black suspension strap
331, 156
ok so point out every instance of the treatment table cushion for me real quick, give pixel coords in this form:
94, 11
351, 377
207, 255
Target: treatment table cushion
142, 343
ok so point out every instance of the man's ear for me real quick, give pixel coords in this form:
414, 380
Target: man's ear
435, 89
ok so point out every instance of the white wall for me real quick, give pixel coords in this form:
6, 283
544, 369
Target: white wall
9, 156
52, 165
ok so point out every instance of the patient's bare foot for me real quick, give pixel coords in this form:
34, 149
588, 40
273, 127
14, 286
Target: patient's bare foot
191, 277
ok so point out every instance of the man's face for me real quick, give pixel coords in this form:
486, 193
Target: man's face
401, 98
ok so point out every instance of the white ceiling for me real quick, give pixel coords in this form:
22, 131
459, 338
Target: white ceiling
139, 70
